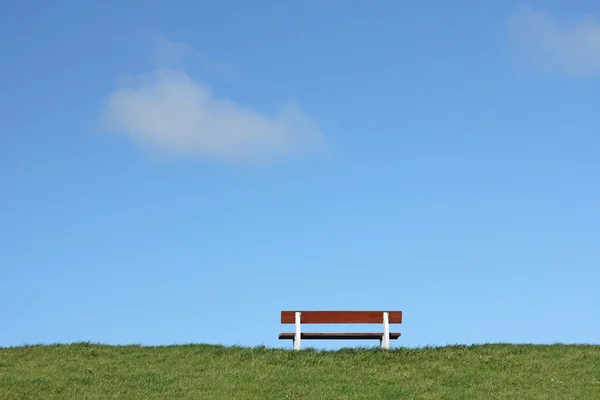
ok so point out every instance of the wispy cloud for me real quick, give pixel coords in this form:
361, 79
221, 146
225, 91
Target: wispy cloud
169, 54
168, 111
570, 46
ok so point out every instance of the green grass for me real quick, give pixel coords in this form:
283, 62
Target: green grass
88, 371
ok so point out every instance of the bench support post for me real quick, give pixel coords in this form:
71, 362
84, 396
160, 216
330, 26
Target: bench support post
385, 340
297, 336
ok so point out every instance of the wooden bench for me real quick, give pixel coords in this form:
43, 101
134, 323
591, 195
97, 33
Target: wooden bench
341, 317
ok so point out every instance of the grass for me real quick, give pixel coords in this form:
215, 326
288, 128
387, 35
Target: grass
497, 371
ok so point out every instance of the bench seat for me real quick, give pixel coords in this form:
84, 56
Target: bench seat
299, 318
336, 335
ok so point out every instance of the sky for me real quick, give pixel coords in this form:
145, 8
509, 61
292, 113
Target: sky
183, 171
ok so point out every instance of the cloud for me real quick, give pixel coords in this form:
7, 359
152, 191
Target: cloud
571, 46
169, 54
167, 111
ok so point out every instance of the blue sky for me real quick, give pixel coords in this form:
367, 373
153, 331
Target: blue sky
175, 172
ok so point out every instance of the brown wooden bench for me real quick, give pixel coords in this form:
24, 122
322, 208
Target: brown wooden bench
341, 317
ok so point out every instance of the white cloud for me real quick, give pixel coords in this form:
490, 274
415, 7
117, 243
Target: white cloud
569, 46
169, 112
169, 53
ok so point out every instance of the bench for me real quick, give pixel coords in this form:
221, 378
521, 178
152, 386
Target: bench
341, 317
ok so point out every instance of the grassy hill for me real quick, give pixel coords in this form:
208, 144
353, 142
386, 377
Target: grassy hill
87, 371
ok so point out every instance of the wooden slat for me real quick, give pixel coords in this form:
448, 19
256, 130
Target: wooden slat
337, 335
341, 317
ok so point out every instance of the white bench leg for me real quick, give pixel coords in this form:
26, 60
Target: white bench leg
385, 340
297, 335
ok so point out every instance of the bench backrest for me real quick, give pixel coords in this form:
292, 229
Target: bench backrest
341, 317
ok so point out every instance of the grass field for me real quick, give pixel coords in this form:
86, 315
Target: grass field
88, 371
